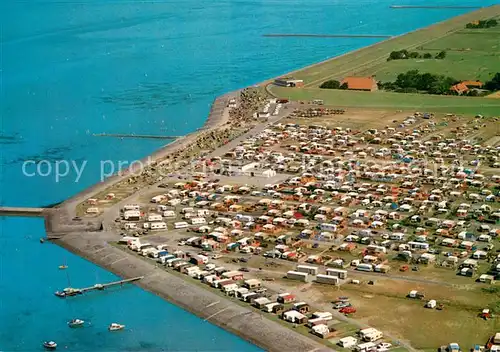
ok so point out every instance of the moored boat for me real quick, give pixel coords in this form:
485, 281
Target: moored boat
75, 323
115, 327
50, 345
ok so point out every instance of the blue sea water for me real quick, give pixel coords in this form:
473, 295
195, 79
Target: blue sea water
70, 69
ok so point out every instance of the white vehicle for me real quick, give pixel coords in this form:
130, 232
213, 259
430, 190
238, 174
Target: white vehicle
132, 215
131, 207
154, 217
203, 213
162, 208
145, 250
130, 225
174, 202
198, 221
384, 346
158, 199
169, 214
187, 210
158, 226
180, 225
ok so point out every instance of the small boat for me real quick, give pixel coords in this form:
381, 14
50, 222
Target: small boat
115, 327
50, 345
42, 240
75, 323
62, 267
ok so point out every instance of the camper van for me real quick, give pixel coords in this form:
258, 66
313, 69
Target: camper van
132, 215
187, 210
158, 226
130, 225
198, 221
131, 207
154, 217
180, 225
169, 214
365, 347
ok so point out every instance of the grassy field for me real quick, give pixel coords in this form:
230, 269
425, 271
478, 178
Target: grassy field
471, 54
395, 101
372, 55
385, 306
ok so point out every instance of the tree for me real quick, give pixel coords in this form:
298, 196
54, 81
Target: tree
491, 23
331, 84
414, 55
408, 79
494, 84
426, 81
427, 56
344, 86
441, 55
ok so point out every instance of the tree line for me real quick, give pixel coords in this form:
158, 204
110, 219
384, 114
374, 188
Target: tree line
482, 24
414, 82
333, 84
405, 54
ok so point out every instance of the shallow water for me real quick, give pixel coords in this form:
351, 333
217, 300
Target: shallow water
74, 68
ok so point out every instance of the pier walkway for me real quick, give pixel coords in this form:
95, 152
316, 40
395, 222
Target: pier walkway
21, 211
99, 287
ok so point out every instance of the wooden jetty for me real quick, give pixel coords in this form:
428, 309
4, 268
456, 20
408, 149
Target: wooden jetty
22, 211
70, 291
124, 135
327, 35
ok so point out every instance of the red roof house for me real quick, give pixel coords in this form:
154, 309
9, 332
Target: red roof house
360, 83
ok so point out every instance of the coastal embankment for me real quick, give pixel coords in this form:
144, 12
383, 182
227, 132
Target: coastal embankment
238, 319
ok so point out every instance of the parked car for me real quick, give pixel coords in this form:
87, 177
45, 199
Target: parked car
341, 305
386, 345
347, 310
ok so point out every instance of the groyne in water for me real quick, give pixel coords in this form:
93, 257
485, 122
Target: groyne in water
22, 211
433, 7
327, 35
124, 135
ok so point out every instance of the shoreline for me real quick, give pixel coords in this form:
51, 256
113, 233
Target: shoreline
86, 239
